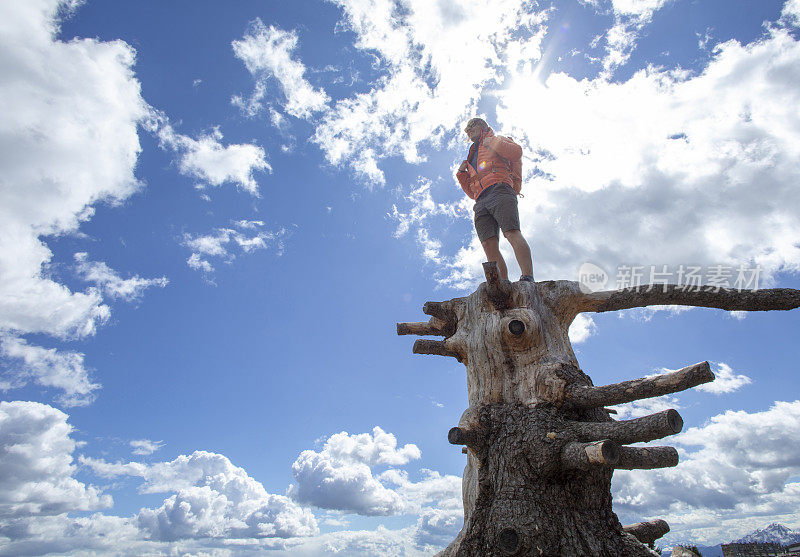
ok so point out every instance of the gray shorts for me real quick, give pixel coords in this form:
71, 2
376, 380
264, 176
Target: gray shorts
496, 208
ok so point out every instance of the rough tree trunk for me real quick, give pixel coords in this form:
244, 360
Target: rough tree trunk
541, 447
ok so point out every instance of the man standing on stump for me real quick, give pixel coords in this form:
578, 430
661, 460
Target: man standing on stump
486, 177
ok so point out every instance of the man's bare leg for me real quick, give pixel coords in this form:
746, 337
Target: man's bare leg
491, 246
521, 251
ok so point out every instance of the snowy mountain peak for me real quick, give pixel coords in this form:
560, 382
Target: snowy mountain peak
775, 533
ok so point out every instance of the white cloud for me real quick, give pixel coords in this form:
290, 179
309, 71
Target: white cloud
581, 328
422, 207
432, 491
340, 475
249, 224
145, 446
208, 160
727, 381
438, 527
645, 407
623, 168
111, 283
735, 471
48, 367
435, 59
347, 486
267, 53
376, 449
214, 507
791, 12
363, 543
36, 465
212, 499
224, 242
630, 18
68, 140
61, 535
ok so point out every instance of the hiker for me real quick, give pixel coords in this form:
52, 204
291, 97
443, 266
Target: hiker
486, 176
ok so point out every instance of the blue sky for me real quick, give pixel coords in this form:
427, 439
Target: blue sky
214, 214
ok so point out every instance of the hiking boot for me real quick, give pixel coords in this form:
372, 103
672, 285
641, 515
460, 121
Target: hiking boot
528, 278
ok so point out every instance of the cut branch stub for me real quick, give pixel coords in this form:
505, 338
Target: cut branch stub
581, 456
462, 436
439, 310
648, 532
434, 347
443, 312
636, 389
646, 458
639, 430
433, 326
498, 290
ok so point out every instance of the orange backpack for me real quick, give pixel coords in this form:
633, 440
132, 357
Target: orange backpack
515, 169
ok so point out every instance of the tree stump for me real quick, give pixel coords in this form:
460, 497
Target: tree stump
541, 448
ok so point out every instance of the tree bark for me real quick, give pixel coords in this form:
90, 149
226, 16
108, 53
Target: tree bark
528, 502
498, 290
637, 389
582, 456
542, 449
430, 327
639, 430
434, 347
648, 532
646, 458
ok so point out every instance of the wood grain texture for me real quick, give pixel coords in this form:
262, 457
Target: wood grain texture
541, 447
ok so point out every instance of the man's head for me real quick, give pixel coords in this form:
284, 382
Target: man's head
474, 128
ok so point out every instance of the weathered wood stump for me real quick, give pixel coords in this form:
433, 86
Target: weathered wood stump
541, 447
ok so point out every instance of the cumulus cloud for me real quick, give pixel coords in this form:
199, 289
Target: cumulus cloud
619, 170
373, 449
47, 367
110, 282
212, 499
738, 469
267, 52
36, 464
213, 506
432, 491
68, 140
340, 475
208, 160
438, 527
223, 243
